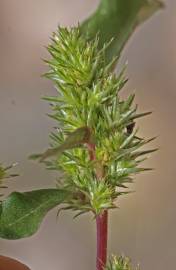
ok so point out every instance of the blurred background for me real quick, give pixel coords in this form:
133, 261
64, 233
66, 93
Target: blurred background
144, 226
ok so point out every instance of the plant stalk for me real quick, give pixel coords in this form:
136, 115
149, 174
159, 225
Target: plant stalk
102, 232
101, 223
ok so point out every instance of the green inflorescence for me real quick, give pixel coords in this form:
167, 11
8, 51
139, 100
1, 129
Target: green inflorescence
120, 263
91, 117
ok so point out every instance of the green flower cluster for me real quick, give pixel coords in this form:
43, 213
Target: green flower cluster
95, 146
120, 263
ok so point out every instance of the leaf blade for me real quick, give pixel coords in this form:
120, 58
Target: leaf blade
22, 213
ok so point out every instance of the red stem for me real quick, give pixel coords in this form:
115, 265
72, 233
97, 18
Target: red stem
102, 225
102, 232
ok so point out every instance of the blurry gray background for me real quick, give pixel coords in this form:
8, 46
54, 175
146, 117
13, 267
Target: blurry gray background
144, 226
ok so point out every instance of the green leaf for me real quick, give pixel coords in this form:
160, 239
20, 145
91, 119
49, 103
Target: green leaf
76, 138
22, 213
116, 20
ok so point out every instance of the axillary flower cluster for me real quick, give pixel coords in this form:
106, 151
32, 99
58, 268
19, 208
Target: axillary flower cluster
96, 146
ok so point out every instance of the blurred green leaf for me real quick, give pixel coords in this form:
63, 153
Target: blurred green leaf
22, 213
116, 20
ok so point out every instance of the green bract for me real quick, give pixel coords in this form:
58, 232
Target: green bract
93, 120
